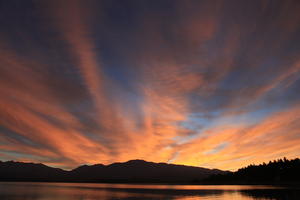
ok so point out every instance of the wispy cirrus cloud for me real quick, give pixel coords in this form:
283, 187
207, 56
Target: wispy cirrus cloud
272, 137
205, 83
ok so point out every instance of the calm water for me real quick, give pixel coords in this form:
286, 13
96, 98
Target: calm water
83, 191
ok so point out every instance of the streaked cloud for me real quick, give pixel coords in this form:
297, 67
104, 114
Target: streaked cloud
204, 83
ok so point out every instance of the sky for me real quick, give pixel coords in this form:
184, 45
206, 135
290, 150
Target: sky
211, 83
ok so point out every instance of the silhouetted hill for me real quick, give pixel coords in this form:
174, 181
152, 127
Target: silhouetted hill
141, 171
131, 171
18, 171
282, 171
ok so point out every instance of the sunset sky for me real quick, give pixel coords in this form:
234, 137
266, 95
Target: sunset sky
205, 83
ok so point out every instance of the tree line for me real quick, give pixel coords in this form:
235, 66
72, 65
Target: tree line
279, 171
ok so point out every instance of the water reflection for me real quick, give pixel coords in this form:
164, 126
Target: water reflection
79, 191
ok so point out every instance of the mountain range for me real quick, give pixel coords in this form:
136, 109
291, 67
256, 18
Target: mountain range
133, 171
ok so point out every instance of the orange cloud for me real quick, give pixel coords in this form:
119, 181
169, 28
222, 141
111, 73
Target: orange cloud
269, 139
206, 62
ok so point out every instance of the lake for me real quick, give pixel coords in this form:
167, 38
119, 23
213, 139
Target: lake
89, 191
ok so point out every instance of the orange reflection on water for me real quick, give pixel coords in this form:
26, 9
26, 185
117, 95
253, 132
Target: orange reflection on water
83, 191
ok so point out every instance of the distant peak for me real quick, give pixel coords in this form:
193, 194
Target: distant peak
87, 166
136, 161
